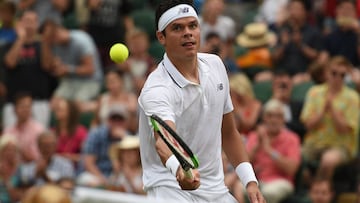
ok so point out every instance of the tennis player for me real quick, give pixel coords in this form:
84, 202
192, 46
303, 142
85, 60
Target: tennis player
190, 91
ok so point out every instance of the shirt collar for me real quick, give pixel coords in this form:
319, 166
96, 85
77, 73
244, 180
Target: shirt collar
178, 78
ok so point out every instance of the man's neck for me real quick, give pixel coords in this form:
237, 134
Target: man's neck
188, 68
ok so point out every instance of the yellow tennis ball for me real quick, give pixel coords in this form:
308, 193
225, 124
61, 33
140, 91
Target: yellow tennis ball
119, 53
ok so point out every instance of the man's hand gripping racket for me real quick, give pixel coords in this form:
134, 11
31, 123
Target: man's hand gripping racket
178, 147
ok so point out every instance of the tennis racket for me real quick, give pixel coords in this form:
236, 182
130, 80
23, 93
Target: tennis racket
177, 146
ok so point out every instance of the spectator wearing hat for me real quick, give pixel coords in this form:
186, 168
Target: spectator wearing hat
128, 177
97, 162
48, 193
253, 54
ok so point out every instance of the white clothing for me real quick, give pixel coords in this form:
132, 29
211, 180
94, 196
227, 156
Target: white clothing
270, 9
197, 111
40, 112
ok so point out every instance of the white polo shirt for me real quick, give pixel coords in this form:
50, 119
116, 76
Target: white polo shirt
197, 111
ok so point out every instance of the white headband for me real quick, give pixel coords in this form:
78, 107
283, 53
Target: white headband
174, 13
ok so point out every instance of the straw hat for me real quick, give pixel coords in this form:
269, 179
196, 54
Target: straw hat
128, 142
255, 35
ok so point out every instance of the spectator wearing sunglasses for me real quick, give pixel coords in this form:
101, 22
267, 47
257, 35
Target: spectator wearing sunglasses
331, 116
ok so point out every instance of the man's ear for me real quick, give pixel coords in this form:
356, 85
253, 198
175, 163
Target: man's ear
161, 37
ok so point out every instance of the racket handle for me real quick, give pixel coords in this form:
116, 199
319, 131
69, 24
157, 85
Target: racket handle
189, 174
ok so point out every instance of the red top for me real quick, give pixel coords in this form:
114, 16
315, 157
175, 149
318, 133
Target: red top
71, 143
286, 143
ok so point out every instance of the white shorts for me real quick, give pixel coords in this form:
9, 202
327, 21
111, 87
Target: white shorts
175, 195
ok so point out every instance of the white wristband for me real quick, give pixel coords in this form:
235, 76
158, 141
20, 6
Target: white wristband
246, 173
172, 164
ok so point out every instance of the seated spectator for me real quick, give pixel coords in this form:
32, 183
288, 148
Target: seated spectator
321, 191
212, 19
9, 162
343, 39
254, 51
25, 72
128, 177
247, 108
7, 17
299, 43
70, 133
140, 63
215, 45
275, 153
97, 162
49, 168
116, 94
26, 129
282, 87
331, 116
73, 57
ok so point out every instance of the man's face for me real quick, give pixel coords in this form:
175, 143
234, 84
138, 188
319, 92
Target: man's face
336, 75
47, 146
297, 11
23, 109
118, 126
282, 87
274, 120
181, 39
30, 22
321, 193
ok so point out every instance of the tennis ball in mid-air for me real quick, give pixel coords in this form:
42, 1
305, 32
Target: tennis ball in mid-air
119, 53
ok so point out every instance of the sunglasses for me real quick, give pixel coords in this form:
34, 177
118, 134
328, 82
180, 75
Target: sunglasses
336, 74
116, 118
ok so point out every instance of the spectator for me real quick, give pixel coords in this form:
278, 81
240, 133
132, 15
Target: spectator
97, 162
44, 8
108, 21
140, 63
275, 153
25, 71
215, 45
344, 39
246, 107
254, 51
70, 133
7, 16
299, 43
72, 56
128, 178
116, 94
212, 20
26, 129
321, 191
49, 168
282, 87
9, 162
331, 116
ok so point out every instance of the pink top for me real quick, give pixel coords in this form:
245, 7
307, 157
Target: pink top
287, 144
27, 138
72, 143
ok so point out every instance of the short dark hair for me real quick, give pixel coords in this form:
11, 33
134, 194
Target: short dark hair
166, 5
20, 96
339, 2
8, 5
280, 73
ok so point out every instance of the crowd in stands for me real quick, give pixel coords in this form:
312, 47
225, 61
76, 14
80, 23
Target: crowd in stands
69, 115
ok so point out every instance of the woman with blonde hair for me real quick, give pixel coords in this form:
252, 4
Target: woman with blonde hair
246, 107
9, 162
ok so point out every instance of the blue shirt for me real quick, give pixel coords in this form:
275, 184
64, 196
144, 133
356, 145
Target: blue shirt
97, 144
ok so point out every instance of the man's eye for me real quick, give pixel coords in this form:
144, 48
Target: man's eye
177, 27
193, 26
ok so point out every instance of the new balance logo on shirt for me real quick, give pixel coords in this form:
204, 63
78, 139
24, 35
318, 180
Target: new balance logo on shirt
220, 87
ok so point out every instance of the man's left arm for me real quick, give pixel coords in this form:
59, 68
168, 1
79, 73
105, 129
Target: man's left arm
234, 149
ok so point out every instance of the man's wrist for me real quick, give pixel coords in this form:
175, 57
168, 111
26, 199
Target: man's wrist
172, 164
246, 173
